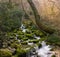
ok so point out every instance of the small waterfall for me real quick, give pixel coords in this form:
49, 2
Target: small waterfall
43, 44
23, 28
37, 37
44, 51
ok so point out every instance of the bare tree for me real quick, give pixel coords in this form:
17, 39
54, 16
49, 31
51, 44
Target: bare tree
37, 19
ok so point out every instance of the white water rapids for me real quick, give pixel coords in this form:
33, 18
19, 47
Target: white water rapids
44, 51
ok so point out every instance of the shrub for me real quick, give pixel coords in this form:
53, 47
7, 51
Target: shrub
54, 40
10, 17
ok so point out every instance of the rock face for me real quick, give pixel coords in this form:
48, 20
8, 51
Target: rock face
49, 10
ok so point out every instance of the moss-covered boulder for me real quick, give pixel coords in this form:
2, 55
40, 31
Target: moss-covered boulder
5, 53
30, 36
24, 43
21, 52
53, 56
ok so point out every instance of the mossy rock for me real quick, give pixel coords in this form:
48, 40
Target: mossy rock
5, 53
15, 45
20, 37
20, 33
43, 38
28, 31
34, 41
11, 35
15, 31
30, 36
39, 33
21, 52
52, 49
39, 45
33, 31
24, 39
53, 56
24, 43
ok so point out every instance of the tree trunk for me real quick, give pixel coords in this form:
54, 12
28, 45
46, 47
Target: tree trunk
37, 19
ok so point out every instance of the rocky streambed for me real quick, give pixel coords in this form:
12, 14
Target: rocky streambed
43, 50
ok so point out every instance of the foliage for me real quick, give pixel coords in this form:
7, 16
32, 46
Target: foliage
54, 40
10, 17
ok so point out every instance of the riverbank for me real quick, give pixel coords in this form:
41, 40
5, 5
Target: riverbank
28, 40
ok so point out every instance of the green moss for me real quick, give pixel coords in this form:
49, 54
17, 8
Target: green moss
15, 45
24, 43
52, 49
39, 33
30, 36
28, 31
53, 56
39, 45
20, 37
21, 52
20, 33
5, 53
24, 39
34, 41
43, 38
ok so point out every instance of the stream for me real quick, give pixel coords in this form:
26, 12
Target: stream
43, 51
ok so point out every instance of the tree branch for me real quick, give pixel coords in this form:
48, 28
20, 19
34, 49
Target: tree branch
37, 19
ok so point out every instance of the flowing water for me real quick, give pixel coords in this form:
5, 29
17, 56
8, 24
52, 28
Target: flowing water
44, 51
23, 28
